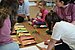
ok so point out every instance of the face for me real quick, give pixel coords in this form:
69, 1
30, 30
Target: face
21, 1
59, 4
40, 5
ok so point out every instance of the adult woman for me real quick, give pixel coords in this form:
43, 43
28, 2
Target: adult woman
61, 30
66, 10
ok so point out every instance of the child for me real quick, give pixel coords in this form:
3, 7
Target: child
42, 14
23, 11
6, 42
54, 17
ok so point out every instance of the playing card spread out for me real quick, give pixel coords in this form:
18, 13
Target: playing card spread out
26, 38
28, 42
22, 30
24, 34
30, 48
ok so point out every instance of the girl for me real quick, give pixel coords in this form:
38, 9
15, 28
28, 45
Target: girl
66, 10
43, 12
6, 42
48, 19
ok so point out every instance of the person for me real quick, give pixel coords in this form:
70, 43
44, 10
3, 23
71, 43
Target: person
6, 42
13, 15
43, 12
66, 10
61, 30
54, 18
23, 10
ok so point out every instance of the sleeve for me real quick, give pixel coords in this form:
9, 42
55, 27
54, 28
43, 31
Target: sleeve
57, 31
27, 8
73, 13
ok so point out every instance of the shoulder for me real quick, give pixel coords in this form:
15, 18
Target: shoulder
45, 11
60, 24
56, 8
74, 6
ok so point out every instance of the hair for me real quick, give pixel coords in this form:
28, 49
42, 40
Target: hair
43, 3
7, 7
51, 18
67, 1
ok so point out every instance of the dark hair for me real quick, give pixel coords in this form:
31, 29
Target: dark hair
7, 7
67, 1
51, 18
43, 3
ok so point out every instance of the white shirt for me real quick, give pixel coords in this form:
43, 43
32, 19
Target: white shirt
24, 9
65, 31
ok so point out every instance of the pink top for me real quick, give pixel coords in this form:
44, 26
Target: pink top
44, 13
5, 32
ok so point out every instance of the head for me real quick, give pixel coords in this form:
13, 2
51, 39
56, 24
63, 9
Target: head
61, 3
51, 18
41, 4
7, 7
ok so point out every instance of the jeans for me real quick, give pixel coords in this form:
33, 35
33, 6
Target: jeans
62, 46
10, 46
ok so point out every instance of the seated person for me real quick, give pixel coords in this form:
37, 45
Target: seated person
23, 11
47, 20
40, 19
61, 30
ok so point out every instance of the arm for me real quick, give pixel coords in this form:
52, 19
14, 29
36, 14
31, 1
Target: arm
51, 44
73, 14
27, 9
44, 15
22, 15
42, 19
56, 35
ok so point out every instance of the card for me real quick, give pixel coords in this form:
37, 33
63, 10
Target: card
30, 48
27, 42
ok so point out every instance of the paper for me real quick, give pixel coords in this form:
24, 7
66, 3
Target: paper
29, 48
42, 45
43, 26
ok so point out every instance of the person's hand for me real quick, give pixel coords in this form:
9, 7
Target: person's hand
43, 49
46, 42
22, 15
73, 22
34, 20
40, 14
